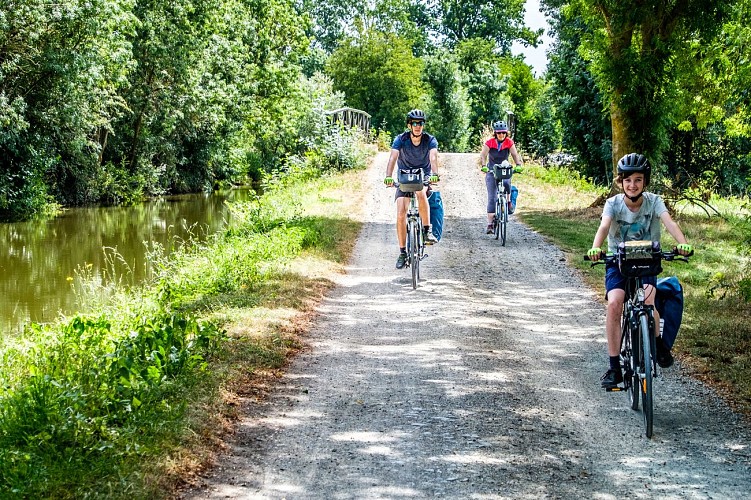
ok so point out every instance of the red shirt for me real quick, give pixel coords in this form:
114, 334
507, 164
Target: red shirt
498, 152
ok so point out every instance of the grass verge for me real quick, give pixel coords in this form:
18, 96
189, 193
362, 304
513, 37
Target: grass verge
714, 342
134, 399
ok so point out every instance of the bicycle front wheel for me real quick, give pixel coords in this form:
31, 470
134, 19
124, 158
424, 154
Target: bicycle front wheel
497, 218
414, 257
504, 222
646, 379
630, 363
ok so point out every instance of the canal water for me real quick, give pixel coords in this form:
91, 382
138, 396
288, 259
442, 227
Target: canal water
39, 259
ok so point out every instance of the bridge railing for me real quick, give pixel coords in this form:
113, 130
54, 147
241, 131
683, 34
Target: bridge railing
350, 117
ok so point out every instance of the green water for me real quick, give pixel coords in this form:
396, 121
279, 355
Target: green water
38, 260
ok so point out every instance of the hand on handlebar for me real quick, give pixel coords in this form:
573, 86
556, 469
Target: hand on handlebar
485, 169
518, 169
434, 178
389, 181
684, 249
594, 254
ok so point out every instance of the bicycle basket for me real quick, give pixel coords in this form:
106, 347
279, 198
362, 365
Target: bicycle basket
409, 182
502, 171
637, 259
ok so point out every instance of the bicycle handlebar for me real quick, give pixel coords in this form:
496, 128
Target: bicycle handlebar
612, 258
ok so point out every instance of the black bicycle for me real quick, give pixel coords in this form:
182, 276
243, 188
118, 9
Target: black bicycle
636, 260
409, 183
501, 172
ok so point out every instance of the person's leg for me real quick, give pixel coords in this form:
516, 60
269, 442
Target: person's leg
492, 188
402, 203
615, 294
616, 298
423, 207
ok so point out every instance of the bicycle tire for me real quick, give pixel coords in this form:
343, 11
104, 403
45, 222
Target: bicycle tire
504, 222
414, 260
497, 219
646, 378
630, 363
420, 250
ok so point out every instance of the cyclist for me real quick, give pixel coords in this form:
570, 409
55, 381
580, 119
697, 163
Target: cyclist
497, 149
412, 151
633, 215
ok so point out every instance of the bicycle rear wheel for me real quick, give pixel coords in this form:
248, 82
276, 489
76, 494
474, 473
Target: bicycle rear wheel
646, 379
414, 258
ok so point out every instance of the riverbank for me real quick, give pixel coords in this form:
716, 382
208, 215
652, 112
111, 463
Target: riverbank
132, 399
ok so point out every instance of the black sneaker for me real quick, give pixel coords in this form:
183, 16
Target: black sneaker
664, 358
401, 261
490, 229
510, 208
429, 238
611, 379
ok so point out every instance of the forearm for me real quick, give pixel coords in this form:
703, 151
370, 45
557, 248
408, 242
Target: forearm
390, 164
600, 236
675, 231
434, 161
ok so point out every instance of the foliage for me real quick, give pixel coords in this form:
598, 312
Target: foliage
379, 75
80, 396
579, 104
631, 49
449, 109
541, 127
461, 20
485, 81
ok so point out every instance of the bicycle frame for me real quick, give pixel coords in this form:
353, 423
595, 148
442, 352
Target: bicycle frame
415, 241
500, 219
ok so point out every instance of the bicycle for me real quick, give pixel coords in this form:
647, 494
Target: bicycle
501, 172
409, 183
636, 260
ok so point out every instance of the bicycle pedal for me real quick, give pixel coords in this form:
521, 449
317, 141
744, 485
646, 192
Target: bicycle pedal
615, 389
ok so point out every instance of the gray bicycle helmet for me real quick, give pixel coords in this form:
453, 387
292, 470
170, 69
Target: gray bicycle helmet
500, 126
416, 114
634, 162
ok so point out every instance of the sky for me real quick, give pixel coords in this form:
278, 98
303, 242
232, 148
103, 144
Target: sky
536, 58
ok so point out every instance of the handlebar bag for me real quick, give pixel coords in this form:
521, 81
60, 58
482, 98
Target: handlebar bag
638, 259
502, 171
410, 182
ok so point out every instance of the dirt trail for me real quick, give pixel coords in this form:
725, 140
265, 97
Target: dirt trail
482, 383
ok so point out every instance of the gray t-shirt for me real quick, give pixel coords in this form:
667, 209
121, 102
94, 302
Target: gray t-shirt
629, 226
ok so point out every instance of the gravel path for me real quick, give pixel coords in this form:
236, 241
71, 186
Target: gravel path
482, 383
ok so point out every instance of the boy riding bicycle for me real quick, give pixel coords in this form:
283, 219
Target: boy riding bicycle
633, 215
413, 150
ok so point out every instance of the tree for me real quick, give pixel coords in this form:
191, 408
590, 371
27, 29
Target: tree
379, 75
458, 20
486, 82
630, 47
449, 109
579, 104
